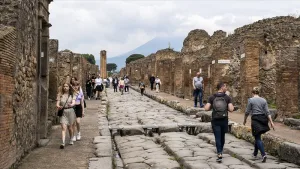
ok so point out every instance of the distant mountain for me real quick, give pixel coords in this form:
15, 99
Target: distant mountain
146, 49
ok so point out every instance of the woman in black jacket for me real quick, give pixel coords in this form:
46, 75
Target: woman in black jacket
260, 117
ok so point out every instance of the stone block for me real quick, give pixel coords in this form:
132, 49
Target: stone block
292, 122
204, 115
103, 163
102, 139
289, 152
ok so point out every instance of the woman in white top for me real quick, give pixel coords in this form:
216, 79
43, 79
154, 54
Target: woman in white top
157, 84
98, 87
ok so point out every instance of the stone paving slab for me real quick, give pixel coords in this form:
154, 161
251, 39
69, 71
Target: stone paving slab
103, 163
242, 150
194, 153
140, 152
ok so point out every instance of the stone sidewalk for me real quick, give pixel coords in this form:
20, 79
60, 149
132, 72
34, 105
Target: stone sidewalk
73, 156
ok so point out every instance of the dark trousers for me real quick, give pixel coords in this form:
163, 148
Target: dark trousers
142, 91
152, 85
115, 88
259, 145
127, 87
89, 92
220, 127
198, 93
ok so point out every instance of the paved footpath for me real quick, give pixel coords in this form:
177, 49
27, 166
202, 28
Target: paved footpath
173, 149
72, 157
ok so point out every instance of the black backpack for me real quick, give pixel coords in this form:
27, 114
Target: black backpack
220, 108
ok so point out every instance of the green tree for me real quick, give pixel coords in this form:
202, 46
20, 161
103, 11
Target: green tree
134, 57
90, 58
111, 67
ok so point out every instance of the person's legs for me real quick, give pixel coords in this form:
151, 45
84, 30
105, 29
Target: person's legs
63, 135
78, 136
152, 86
200, 98
71, 132
223, 129
196, 94
218, 136
142, 91
260, 144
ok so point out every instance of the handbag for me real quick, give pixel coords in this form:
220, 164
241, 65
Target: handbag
61, 111
84, 103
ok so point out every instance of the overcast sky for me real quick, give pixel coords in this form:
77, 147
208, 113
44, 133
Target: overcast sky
88, 26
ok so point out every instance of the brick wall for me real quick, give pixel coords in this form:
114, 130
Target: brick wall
7, 117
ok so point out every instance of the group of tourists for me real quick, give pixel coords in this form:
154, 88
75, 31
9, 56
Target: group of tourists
121, 83
153, 80
70, 104
220, 104
94, 86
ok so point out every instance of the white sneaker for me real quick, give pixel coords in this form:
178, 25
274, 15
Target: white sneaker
71, 142
78, 137
73, 138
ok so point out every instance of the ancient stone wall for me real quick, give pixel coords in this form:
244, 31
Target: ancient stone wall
263, 54
24, 46
64, 65
53, 80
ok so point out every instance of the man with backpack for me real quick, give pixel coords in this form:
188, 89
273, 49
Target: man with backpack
220, 104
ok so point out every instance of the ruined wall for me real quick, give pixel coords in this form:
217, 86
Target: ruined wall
263, 54
21, 96
71, 64
53, 80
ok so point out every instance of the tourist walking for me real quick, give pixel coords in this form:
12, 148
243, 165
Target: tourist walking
121, 85
88, 87
220, 103
79, 109
157, 84
115, 83
98, 86
142, 87
198, 89
65, 102
126, 81
257, 107
152, 81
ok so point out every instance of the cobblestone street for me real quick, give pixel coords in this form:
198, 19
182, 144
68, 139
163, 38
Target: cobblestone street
135, 132
173, 149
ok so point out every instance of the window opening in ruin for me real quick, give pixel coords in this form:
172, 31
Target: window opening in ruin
266, 52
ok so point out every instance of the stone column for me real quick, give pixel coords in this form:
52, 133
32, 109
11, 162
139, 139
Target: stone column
249, 67
103, 70
287, 81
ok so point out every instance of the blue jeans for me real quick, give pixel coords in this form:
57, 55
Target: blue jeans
220, 127
198, 93
258, 145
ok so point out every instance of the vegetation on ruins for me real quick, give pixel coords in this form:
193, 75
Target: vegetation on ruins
90, 58
111, 67
134, 57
